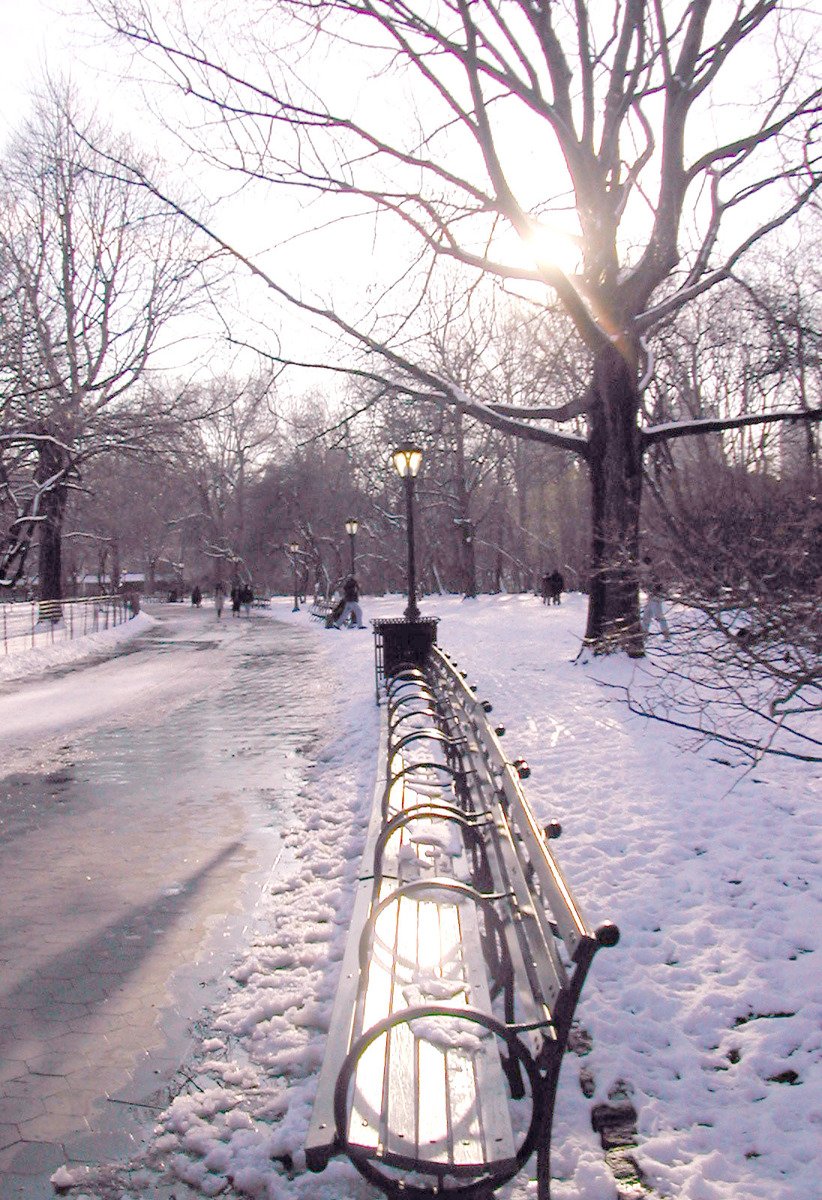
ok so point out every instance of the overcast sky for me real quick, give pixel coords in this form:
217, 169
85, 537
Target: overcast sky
27, 35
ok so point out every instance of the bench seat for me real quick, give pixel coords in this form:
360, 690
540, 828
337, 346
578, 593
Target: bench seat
429, 1095
432, 1093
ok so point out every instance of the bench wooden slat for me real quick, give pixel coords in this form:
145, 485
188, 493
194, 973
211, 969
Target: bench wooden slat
507, 869
319, 1141
544, 957
495, 1135
437, 949
401, 1132
369, 1080
433, 1105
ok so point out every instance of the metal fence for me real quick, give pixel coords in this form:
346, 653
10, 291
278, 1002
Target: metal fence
32, 625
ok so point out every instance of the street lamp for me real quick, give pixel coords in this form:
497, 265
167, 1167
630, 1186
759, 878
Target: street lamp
294, 548
351, 527
407, 460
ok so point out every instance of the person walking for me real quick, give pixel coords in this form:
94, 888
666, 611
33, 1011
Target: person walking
652, 609
236, 600
246, 598
545, 588
219, 599
556, 586
351, 606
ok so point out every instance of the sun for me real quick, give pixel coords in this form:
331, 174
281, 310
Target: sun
552, 246
544, 245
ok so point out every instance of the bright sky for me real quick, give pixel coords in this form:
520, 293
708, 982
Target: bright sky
40, 36
341, 264
21, 41
32, 36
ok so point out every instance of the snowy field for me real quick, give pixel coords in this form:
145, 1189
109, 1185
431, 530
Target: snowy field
707, 1017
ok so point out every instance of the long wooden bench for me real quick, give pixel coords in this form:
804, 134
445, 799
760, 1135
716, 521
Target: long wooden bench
463, 966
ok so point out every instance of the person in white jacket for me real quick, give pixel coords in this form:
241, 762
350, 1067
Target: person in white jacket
652, 610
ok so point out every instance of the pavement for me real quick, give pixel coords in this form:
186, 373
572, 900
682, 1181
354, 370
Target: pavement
132, 854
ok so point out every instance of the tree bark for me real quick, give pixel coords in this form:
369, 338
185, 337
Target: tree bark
52, 465
53, 509
615, 465
465, 527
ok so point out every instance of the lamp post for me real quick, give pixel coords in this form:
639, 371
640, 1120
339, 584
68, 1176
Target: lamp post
407, 460
351, 527
294, 548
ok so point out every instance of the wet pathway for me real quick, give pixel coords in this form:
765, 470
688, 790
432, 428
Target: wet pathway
139, 819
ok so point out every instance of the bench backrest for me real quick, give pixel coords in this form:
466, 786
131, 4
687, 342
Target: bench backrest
524, 838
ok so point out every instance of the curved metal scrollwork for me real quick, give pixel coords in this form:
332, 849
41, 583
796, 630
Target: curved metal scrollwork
455, 776
486, 1176
417, 889
426, 810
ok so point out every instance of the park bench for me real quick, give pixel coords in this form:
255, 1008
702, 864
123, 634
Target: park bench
321, 608
465, 959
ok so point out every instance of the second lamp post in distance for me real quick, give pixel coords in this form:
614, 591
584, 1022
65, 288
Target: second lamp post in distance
351, 527
295, 548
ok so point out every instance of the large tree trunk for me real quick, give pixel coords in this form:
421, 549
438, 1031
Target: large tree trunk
53, 509
615, 465
465, 527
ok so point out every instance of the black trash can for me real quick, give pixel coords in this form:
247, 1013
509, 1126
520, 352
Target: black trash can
398, 640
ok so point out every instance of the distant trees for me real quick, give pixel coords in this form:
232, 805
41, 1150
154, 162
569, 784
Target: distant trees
223, 452
93, 271
133, 513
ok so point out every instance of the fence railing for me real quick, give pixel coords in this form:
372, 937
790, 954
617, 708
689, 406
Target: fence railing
32, 625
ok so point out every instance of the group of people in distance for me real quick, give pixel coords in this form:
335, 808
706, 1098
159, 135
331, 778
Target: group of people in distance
242, 597
347, 599
552, 586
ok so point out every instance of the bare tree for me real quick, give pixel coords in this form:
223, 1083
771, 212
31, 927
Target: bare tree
223, 452
94, 270
743, 573
604, 116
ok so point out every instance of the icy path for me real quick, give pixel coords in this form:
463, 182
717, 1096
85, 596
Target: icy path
141, 803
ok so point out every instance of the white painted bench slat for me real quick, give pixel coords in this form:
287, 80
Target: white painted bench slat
414, 1101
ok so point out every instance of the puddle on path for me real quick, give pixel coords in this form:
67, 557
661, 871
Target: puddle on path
129, 878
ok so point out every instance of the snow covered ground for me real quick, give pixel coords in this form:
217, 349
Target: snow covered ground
22, 662
707, 1017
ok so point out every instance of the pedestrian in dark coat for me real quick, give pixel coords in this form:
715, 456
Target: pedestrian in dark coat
351, 606
556, 586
